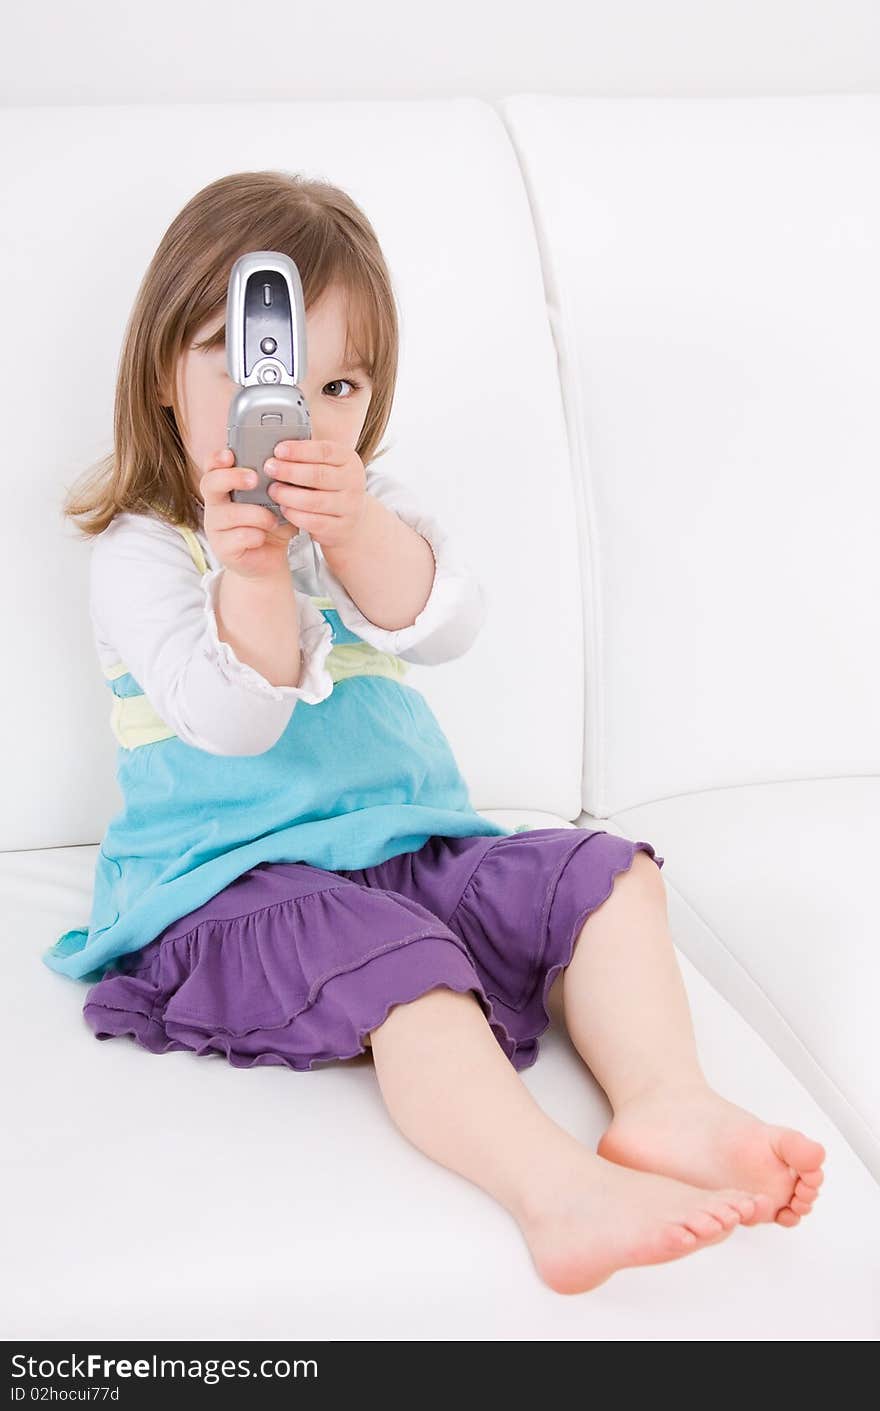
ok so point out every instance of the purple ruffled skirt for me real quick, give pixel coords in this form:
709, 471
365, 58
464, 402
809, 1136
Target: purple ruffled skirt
292, 964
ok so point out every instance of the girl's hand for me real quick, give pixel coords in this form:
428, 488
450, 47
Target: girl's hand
247, 539
322, 488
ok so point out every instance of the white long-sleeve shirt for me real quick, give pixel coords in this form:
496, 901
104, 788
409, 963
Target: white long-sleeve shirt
151, 609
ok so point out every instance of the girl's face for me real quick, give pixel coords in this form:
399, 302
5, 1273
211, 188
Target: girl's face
337, 396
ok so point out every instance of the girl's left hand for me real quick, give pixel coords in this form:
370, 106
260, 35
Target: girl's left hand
321, 487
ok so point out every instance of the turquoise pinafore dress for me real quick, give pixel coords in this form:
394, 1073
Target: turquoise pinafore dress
362, 776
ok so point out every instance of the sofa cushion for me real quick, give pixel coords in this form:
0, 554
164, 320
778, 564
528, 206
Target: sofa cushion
477, 426
174, 1196
714, 290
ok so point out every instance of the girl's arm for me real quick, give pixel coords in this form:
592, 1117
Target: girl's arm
259, 620
457, 604
154, 611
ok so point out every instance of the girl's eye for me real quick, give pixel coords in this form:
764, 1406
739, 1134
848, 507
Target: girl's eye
355, 386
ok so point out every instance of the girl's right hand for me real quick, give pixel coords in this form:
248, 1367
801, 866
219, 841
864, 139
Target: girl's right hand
247, 539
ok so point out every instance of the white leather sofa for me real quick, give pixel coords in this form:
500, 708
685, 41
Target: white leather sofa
639, 378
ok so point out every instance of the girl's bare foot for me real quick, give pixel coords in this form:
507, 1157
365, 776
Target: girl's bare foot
692, 1133
600, 1218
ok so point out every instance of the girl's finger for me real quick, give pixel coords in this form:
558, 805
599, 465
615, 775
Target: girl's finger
219, 460
215, 485
234, 514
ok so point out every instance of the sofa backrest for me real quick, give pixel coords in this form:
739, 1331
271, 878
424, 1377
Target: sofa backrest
638, 378
478, 426
713, 285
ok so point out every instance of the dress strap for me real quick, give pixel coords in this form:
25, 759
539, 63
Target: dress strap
195, 548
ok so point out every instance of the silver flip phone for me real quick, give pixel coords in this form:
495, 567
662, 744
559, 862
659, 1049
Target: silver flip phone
266, 355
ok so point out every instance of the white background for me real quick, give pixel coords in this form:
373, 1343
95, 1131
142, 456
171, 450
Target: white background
193, 51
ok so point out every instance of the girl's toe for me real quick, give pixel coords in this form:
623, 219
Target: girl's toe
805, 1193
788, 1217
813, 1178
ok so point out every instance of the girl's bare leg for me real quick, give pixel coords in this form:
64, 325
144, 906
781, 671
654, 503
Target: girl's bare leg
627, 1013
455, 1095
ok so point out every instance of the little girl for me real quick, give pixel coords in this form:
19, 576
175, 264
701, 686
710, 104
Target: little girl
297, 874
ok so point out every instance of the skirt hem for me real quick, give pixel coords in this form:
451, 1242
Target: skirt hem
163, 1035
341, 1007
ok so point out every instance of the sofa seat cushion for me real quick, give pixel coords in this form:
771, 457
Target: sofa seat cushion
174, 1196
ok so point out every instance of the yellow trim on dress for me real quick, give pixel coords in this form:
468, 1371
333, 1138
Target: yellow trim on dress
195, 547
135, 722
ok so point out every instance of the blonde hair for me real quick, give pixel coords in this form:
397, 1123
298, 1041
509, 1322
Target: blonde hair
330, 241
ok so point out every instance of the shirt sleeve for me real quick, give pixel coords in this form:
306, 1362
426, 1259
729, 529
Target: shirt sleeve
154, 611
456, 607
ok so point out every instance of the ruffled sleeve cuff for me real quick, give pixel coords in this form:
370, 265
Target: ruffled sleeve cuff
316, 643
448, 623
